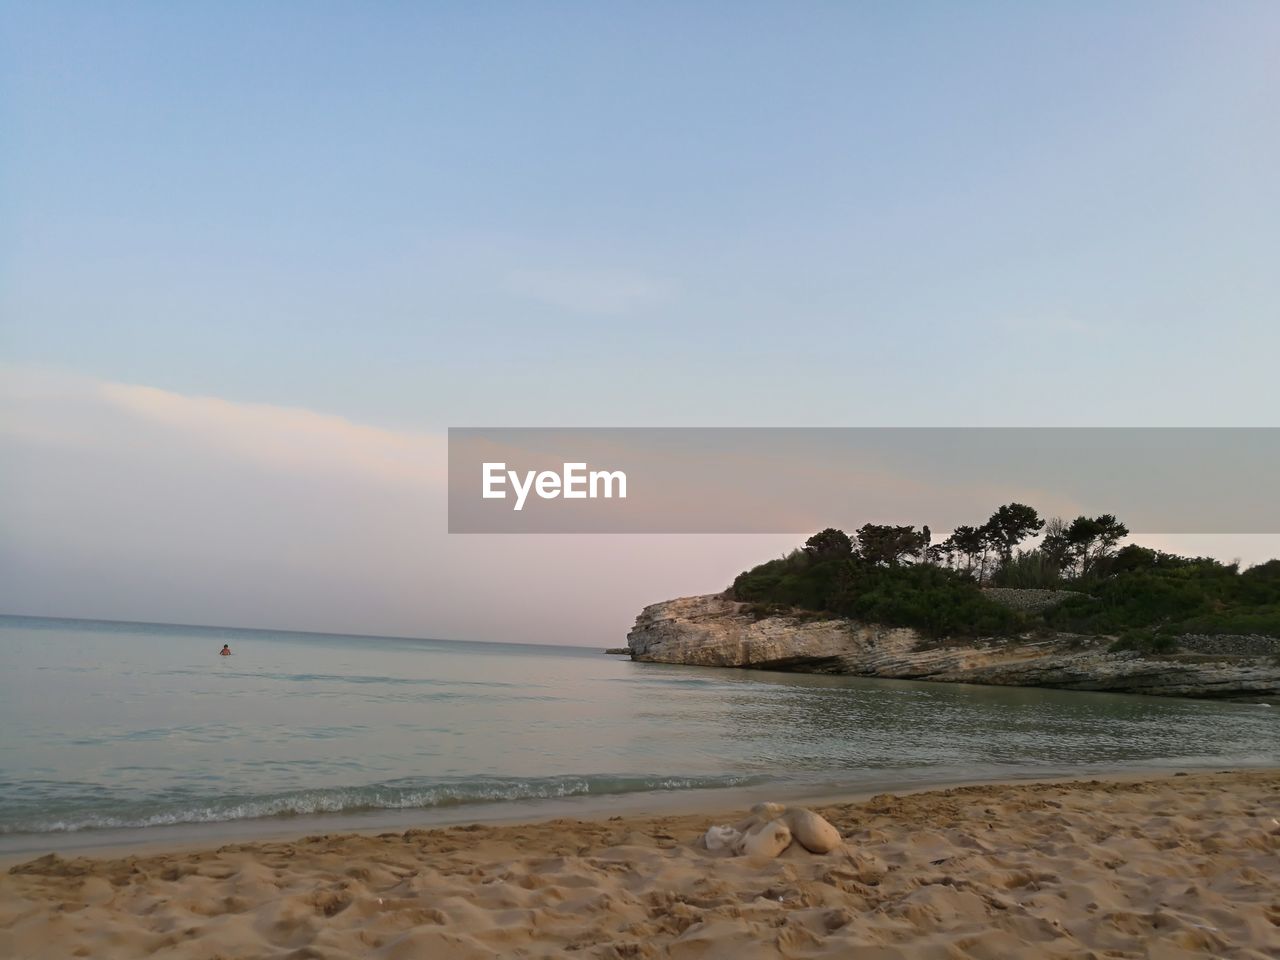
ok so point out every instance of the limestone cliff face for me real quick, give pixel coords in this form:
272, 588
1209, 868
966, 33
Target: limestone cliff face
712, 631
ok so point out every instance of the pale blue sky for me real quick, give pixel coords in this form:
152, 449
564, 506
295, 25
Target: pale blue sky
428, 214
416, 215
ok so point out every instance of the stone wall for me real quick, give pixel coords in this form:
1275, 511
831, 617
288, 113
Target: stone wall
1028, 601
1230, 644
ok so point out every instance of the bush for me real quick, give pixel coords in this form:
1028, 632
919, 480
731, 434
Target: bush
795, 580
1264, 621
1145, 596
1148, 589
1145, 641
1028, 570
934, 600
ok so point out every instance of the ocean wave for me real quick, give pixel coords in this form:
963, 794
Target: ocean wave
386, 796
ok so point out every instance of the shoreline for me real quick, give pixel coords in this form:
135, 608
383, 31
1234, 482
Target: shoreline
191, 837
1132, 864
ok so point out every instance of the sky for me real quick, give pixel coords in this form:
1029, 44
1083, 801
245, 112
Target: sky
256, 259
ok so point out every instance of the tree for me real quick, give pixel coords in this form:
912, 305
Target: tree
829, 544
1080, 537
1089, 539
1010, 525
968, 542
1055, 547
1110, 532
885, 544
942, 554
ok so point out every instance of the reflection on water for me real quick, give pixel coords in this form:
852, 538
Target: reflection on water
824, 723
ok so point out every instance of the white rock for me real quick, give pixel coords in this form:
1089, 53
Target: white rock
722, 837
766, 840
812, 831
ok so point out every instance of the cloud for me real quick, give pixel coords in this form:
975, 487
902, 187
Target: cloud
595, 293
53, 407
123, 501
286, 437
128, 502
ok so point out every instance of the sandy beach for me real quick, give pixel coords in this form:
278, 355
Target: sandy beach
1179, 866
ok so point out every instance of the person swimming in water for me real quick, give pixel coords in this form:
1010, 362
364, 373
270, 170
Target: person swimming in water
225, 651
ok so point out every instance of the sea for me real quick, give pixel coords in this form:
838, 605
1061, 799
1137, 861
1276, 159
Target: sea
118, 732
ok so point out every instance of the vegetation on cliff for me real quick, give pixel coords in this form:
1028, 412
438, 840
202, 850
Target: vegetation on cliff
896, 575
1161, 595
934, 599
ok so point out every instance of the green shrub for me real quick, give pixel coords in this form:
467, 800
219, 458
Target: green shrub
1264, 620
932, 599
1145, 641
1148, 589
1145, 596
795, 580
1028, 570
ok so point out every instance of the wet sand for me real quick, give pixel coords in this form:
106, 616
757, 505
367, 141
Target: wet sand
1168, 867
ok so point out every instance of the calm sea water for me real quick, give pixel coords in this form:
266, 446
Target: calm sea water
112, 726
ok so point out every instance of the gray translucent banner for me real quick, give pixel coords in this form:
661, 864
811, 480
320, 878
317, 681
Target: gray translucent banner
798, 480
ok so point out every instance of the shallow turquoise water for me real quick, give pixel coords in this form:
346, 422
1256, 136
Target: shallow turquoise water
111, 725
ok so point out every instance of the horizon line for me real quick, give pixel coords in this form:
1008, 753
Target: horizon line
315, 633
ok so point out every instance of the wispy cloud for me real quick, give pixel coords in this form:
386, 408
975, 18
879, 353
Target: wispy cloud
128, 501
61, 409
287, 437
131, 502
592, 292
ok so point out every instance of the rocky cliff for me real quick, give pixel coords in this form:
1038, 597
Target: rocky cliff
713, 631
